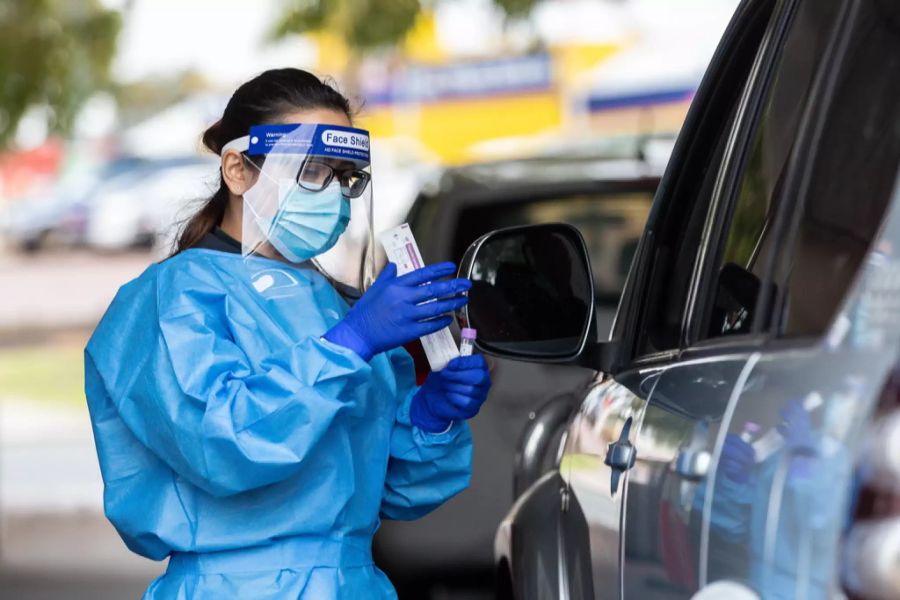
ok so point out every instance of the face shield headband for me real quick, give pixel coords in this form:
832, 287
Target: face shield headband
330, 153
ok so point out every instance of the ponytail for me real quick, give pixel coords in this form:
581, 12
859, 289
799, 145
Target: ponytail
211, 213
204, 221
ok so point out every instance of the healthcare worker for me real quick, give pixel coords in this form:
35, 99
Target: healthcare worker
254, 411
780, 483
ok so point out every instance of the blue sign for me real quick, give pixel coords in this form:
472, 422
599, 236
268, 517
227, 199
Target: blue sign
474, 79
599, 102
330, 141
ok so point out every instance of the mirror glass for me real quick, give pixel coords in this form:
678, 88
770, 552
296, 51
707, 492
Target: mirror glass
735, 302
531, 291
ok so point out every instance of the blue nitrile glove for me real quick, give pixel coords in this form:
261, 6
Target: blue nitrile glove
454, 393
797, 431
738, 459
391, 312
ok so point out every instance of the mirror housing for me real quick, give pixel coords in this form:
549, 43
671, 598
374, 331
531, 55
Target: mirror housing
532, 296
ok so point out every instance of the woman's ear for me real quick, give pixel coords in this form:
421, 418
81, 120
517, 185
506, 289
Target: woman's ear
236, 176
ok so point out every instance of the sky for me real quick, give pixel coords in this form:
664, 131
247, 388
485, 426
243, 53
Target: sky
226, 39
226, 42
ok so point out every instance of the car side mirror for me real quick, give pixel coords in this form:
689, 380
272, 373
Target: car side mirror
735, 303
532, 295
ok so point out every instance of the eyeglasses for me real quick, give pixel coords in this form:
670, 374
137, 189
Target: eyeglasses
315, 176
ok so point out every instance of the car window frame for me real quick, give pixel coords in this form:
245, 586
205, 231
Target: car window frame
763, 330
798, 161
816, 124
696, 131
732, 170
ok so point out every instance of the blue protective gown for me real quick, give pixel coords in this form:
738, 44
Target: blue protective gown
235, 440
740, 514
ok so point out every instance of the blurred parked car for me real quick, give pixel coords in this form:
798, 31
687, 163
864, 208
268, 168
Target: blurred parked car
607, 192
740, 437
401, 167
145, 207
56, 215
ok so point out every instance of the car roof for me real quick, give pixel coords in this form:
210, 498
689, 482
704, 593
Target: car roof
578, 165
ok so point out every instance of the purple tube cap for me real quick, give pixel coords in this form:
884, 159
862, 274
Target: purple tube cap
752, 428
468, 333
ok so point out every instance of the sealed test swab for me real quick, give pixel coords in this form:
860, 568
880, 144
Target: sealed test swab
401, 249
467, 342
772, 441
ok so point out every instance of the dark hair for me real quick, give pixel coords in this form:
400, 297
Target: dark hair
263, 99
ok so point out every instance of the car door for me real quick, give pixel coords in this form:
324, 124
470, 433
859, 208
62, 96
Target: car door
674, 543
688, 409
612, 213
773, 520
611, 216
598, 458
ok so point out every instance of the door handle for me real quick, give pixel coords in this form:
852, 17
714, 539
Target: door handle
620, 456
692, 465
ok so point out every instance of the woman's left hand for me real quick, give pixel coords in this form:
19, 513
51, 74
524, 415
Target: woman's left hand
454, 393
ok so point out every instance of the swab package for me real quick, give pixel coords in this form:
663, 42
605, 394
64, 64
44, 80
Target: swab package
401, 249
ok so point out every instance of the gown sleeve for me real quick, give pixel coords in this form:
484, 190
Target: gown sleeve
424, 469
196, 400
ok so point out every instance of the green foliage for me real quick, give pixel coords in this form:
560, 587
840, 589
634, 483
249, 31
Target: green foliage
44, 373
142, 99
53, 52
751, 213
368, 24
381, 22
304, 16
516, 8
362, 24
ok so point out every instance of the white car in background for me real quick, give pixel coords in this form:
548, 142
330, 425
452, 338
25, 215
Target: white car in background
147, 209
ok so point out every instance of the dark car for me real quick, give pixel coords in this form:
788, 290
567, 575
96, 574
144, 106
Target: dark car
607, 190
740, 438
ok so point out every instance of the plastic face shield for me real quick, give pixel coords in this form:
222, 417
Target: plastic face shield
311, 199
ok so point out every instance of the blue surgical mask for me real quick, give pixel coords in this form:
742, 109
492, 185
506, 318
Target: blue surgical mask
308, 223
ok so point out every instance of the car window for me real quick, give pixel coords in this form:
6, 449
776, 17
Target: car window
748, 222
610, 223
851, 175
674, 235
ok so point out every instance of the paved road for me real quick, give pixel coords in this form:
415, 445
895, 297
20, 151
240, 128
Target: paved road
47, 459
75, 586
54, 541
62, 289
63, 556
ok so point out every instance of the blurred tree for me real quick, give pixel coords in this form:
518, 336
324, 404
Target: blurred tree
365, 25
144, 98
361, 24
516, 9
53, 53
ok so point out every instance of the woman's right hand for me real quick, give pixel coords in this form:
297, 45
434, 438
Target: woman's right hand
738, 459
397, 310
